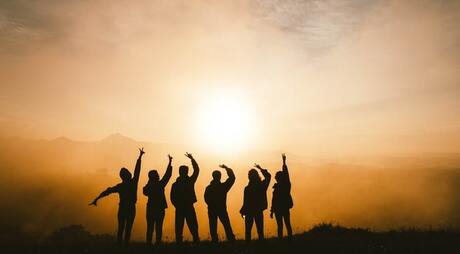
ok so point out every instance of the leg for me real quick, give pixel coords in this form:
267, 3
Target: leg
223, 216
121, 225
213, 226
159, 225
179, 224
150, 222
192, 223
129, 223
259, 217
279, 223
248, 221
287, 221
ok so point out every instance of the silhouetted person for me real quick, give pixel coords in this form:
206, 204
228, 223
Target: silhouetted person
282, 200
216, 199
156, 204
255, 201
183, 197
127, 191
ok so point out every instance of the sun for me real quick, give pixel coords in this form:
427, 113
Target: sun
225, 121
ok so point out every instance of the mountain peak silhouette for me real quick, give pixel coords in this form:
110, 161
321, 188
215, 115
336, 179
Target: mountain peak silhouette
117, 138
62, 139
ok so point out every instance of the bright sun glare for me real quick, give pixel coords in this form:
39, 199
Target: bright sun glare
225, 121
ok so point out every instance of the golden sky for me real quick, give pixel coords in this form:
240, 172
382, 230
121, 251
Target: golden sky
311, 76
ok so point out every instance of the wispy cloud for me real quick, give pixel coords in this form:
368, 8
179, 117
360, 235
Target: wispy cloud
319, 24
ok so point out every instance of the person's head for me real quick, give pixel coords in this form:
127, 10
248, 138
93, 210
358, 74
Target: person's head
183, 170
216, 175
279, 176
153, 175
253, 176
125, 175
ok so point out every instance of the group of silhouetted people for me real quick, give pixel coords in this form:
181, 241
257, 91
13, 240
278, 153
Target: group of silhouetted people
183, 198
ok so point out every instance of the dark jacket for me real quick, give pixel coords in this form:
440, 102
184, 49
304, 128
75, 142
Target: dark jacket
127, 190
183, 190
215, 195
255, 195
155, 191
282, 199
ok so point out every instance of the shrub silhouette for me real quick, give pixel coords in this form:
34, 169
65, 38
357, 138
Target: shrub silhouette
73, 234
331, 229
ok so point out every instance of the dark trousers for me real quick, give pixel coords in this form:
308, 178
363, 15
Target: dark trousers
186, 214
249, 219
286, 216
155, 217
126, 216
225, 220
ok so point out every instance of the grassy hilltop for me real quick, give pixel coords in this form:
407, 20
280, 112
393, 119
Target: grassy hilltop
324, 238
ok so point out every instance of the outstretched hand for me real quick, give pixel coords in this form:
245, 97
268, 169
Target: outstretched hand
189, 155
94, 203
257, 166
141, 152
224, 166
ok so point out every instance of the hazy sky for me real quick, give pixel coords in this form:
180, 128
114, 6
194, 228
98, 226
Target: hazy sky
314, 76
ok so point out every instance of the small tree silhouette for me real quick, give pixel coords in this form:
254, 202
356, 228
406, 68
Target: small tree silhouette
73, 234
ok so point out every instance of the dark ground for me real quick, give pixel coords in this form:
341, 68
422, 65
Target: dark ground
323, 238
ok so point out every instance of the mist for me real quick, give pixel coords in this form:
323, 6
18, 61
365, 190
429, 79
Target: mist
361, 76
48, 184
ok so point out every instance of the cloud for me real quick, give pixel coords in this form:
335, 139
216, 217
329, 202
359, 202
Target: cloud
318, 24
25, 23
110, 63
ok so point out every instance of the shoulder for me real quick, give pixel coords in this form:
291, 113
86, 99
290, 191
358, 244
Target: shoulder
116, 187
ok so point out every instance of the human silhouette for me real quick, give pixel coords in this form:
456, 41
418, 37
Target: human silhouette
255, 201
127, 191
156, 204
183, 197
282, 200
215, 196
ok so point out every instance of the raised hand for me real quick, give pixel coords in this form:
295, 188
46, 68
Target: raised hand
141, 152
223, 166
189, 155
170, 158
283, 155
257, 166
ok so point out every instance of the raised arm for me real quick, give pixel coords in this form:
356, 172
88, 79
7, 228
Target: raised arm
137, 169
105, 193
196, 169
266, 174
165, 179
231, 177
285, 167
